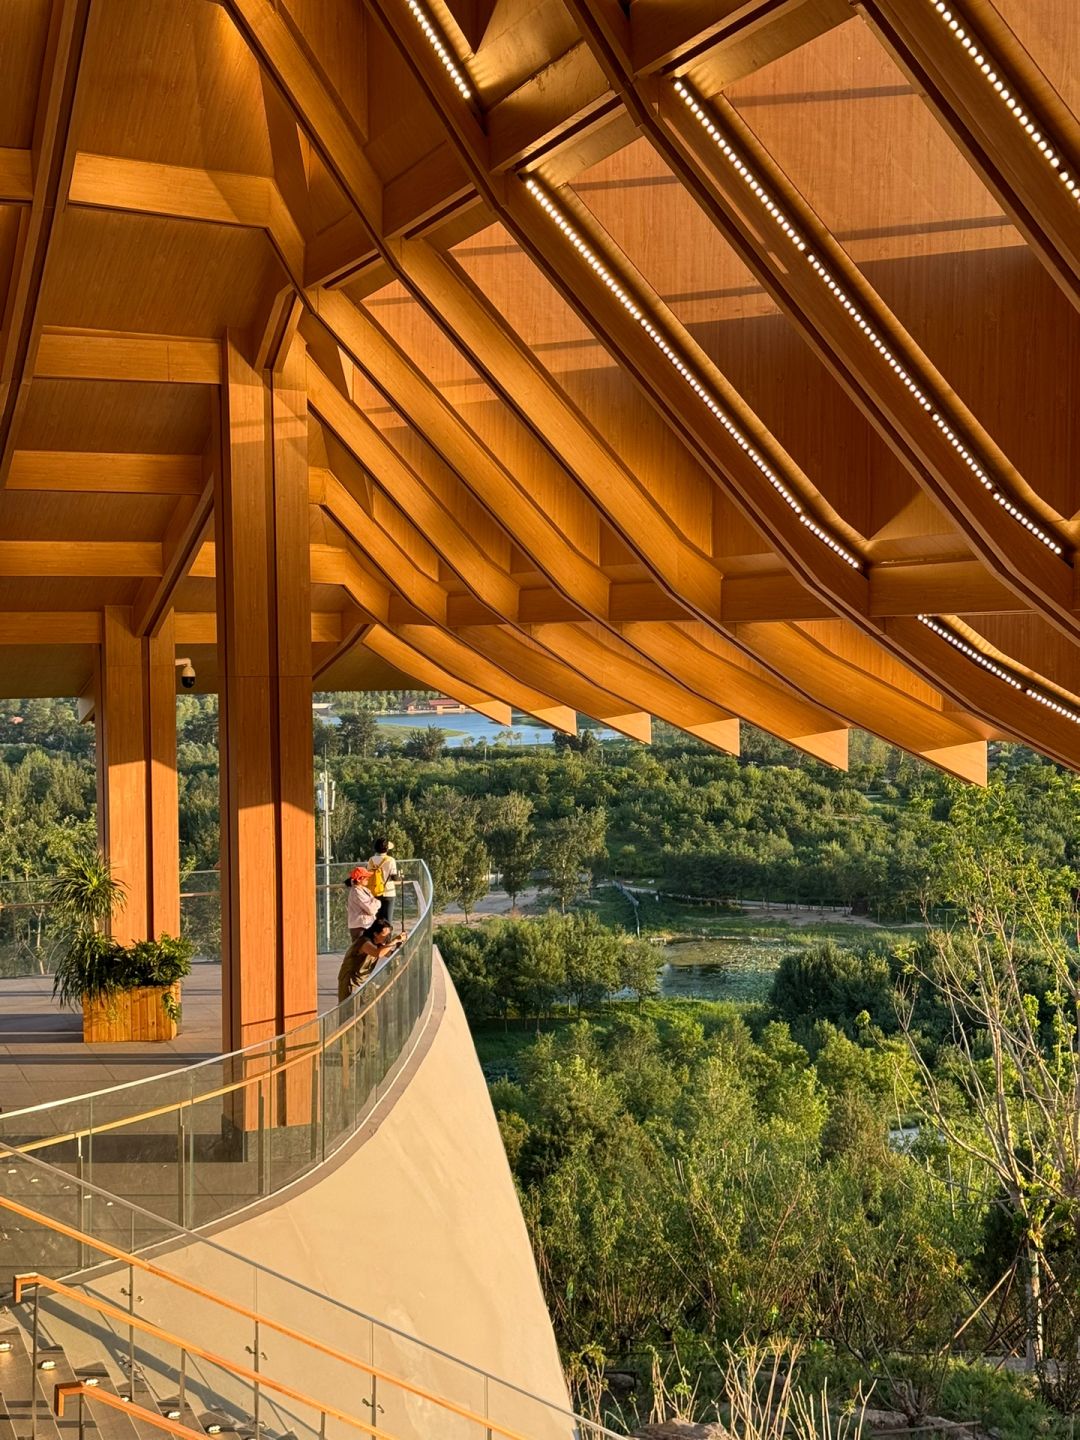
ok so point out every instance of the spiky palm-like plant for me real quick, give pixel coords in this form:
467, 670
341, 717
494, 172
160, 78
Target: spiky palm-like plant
84, 897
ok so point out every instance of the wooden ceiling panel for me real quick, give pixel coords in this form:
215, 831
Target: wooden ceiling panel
38, 672
64, 594
420, 337
173, 80
340, 36
1031, 643
28, 515
9, 238
23, 32
931, 239
852, 135
665, 234
401, 128
108, 415
145, 273
361, 670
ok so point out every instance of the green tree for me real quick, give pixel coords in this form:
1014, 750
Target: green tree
359, 731
639, 967
469, 873
574, 844
426, 742
1015, 1051
508, 830
591, 954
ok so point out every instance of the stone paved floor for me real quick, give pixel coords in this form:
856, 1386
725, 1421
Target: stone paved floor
43, 1058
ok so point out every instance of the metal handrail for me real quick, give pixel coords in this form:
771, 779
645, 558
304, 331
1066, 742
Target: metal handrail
180, 1234
148, 1267
68, 1389
258, 1378
262, 1046
306, 1051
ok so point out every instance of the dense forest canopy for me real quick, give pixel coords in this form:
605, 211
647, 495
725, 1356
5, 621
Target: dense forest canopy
770, 824
879, 1162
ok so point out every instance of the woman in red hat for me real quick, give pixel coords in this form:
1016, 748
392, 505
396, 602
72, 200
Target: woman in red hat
363, 906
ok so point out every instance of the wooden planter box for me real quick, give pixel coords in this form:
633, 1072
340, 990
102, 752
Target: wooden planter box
130, 1015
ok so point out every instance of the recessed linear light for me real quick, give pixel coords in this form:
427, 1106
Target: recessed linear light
673, 357
438, 44
1012, 102
740, 167
986, 662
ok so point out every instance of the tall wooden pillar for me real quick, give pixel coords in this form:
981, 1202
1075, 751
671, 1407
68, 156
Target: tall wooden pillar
269, 978
138, 823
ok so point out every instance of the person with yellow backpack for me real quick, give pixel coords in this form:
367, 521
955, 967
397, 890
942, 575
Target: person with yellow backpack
384, 878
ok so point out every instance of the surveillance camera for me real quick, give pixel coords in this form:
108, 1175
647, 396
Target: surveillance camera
187, 676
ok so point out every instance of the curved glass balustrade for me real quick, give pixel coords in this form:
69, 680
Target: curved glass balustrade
201, 1142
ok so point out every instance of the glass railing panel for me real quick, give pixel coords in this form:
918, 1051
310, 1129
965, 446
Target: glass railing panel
58, 1133
200, 912
412, 1417
513, 1409
293, 1116
321, 1364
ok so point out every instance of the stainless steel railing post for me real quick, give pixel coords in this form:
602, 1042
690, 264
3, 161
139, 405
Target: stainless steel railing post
34, 1387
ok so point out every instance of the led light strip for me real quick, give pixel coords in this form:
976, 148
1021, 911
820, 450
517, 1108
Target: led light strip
842, 299
441, 49
1011, 102
1044, 697
679, 364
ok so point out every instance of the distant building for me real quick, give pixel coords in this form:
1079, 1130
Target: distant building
436, 705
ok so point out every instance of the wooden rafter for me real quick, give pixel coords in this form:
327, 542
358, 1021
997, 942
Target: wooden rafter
51, 159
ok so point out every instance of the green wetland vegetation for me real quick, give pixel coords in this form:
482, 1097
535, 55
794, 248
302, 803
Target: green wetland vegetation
851, 1142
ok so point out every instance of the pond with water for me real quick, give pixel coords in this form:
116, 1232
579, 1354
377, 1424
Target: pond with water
732, 967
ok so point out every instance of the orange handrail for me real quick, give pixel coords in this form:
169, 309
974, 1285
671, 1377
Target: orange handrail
69, 1388
257, 1378
234, 1307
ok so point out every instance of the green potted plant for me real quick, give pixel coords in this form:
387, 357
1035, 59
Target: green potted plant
126, 992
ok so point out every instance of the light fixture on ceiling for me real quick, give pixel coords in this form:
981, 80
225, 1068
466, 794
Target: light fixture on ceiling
439, 45
1008, 97
822, 274
673, 357
1014, 679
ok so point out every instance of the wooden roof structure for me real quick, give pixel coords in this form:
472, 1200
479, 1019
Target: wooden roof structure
705, 359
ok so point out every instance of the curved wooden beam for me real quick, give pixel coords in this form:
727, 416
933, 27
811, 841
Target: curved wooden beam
53, 154
946, 741
1012, 710
523, 679
429, 676
918, 435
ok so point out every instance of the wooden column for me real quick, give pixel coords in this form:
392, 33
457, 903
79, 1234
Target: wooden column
138, 824
269, 979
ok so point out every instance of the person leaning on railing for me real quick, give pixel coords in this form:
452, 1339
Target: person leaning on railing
365, 952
